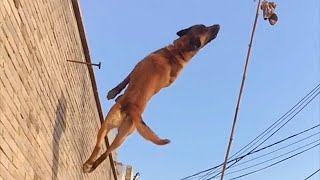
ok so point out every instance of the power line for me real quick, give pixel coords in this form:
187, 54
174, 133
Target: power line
236, 160
277, 149
281, 119
253, 152
258, 150
240, 158
275, 162
303, 139
263, 162
312, 174
200, 172
278, 142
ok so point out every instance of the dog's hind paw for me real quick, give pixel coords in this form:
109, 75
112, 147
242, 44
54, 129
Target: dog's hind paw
112, 94
86, 168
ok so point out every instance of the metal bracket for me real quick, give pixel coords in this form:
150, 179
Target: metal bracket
91, 64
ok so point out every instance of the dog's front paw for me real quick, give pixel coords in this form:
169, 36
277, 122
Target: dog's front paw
112, 94
86, 168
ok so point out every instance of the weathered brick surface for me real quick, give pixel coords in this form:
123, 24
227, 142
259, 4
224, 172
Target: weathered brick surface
48, 113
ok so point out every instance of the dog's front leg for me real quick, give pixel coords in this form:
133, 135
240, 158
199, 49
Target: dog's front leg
115, 91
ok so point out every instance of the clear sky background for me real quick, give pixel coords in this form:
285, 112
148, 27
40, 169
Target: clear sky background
196, 112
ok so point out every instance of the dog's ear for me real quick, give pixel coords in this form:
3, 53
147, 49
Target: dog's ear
194, 43
182, 32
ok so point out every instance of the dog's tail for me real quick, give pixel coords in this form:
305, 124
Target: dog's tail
147, 133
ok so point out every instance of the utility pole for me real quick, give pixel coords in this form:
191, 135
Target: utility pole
240, 94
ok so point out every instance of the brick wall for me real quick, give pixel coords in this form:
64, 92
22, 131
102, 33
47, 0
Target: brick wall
49, 114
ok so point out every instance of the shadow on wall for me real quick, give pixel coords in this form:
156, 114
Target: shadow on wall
59, 128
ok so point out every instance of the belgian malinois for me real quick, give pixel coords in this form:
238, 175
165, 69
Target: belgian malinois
156, 71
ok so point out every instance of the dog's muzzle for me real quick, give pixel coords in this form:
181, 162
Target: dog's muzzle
213, 32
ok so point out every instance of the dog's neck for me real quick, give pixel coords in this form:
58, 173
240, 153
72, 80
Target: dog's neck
181, 46
176, 53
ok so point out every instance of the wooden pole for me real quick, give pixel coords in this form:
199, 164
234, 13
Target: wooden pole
240, 93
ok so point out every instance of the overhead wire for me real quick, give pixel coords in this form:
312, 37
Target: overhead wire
278, 128
236, 160
284, 139
277, 149
271, 159
312, 174
246, 174
281, 119
263, 148
303, 102
255, 151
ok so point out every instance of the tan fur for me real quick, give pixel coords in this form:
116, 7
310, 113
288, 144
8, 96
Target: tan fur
158, 70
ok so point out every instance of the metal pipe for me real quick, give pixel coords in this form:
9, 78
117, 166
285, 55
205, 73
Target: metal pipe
87, 63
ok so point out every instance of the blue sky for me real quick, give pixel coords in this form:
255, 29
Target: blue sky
196, 112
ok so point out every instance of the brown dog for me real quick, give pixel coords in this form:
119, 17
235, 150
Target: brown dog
158, 70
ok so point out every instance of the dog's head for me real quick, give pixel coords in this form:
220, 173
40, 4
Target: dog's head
195, 37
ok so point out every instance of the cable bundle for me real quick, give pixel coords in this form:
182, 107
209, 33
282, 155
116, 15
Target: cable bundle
253, 146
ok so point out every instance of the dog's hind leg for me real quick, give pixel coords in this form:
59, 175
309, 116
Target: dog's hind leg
103, 131
101, 134
125, 129
146, 132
